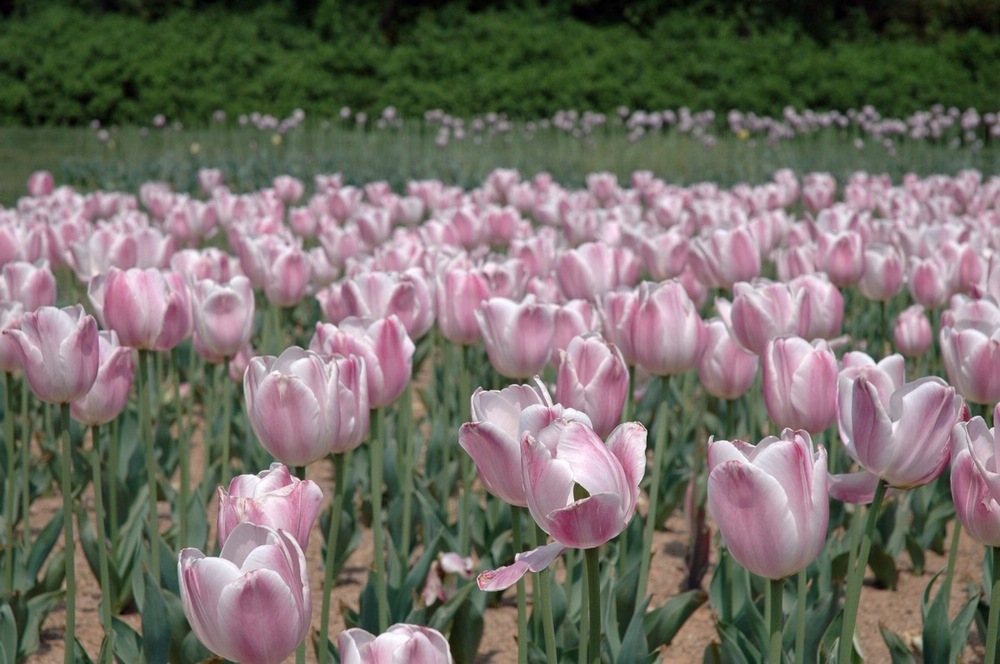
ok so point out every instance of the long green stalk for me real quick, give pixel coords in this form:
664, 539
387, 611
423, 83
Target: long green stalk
26, 435
543, 585
102, 542
341, 462
70, 541
855, 578
378, 531
404, 446
522, 608
594, 604
10, 482
994, 619
802, 586
114, 443
654, 491
222, 376
772, 600
145, 379
466, 505
949, 574
184, 434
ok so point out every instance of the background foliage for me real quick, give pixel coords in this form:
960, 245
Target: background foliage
123, 61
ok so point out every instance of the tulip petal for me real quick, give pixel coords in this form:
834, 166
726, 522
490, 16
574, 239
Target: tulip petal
531, 561
590, 522
858, 488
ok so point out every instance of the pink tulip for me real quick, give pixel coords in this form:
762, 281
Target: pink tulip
442, 578
303, 407
252, 604
40, 183
800, 383
31, 284
668, 335
594, 268
562, 456
724, 257
884, 274
109, 394
58, 351
929, 282
777, 486
565, 454
10, 319
765, 310
518, 336
824, 303
149, 309
970, 348
975, 483
902, 437
819, 191
500, 419
383, 343
572, 319
412, 644
105, 248
223, 315
664, 255
459, 292
912, 334
726, 369
380, 294
841, 256
594, 379
617, 313
272, 498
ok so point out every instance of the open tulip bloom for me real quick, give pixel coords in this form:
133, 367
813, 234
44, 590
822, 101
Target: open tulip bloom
412, 644
561, 457
252, 604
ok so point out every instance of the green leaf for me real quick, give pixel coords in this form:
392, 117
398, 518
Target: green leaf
43, 544
662, 623
128, 644
467, 632
635, 646
936, 635
155, 623
8, 634
883, 565
898, 651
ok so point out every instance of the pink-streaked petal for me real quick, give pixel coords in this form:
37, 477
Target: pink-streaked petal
531, 561
857, 488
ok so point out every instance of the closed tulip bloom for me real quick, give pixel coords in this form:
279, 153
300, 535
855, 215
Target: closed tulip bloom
379, 294
970, 349
765, 310
725, 256
567, 454
107, 398
223, 314
595, 268
384, 345
252, 604
824, 303
777, 486
912, 333
412, 644
149, 309
593, 378
303, 407
841, 256
517, 335
273, 497
726, 369
617, 313
903, 439
975, 483
58, 351
668, 335
572, 319
800, 383
884, 273
10, 319
929, 282
459, 293
41, 183
31, 284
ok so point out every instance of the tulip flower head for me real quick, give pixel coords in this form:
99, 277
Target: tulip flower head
776, 486
273, 497
109, 394
400, 643
975, 482
252, 604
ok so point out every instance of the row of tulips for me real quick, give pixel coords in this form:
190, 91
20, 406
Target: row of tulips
543, 281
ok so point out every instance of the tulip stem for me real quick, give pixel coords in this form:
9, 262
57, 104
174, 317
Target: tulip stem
102, 543
654, 490
8, 505
465, 462
378, 535
802, 587
949, 575
994, 619
543, 585
185, 458
145, 379
69, 541
594, 596
113, 480
26, 434
772, 600
222, 375
340, 464
522, 609
856, 577
404, 441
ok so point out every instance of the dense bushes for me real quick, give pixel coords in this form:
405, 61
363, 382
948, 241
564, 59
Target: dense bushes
67, 66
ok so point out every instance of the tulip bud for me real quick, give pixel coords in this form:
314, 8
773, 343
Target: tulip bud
726, 369
800, 383
400, 643
149, 309
109, 395
593, 378
518, 336
912, 332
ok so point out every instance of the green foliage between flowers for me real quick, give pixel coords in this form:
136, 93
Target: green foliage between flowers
528, 63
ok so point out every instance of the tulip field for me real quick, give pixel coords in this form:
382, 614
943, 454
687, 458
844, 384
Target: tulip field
290, 410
